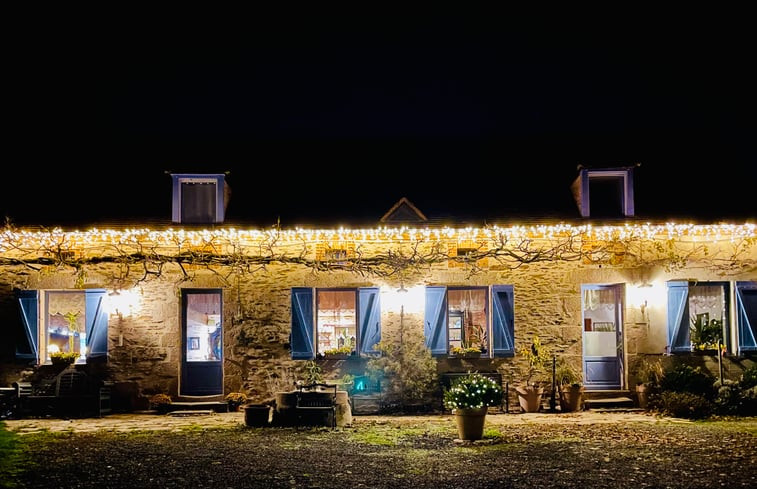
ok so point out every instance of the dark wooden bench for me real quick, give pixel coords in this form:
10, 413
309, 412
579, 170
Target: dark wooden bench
446, 380
70, 393
316, 405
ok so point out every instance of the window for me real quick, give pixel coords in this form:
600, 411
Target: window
203, 329
198, 199
336, 321
746, 316
62, 321
330, 320
697, 315
458, 317
605, 192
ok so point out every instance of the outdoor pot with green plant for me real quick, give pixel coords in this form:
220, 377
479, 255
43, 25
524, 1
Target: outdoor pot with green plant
648, 375
569, 386
63, 357
235, 400
469, 398
530, 392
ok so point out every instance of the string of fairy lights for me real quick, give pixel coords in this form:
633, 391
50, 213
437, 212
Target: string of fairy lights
15, 239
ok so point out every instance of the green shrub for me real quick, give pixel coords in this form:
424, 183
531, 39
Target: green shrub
729, 399
649, 371
685, 378
683, 405
749, 377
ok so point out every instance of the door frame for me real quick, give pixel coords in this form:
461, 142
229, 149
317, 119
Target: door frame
200, 378
604, 372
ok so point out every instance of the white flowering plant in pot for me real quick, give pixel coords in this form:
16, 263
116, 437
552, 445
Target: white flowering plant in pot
473, 391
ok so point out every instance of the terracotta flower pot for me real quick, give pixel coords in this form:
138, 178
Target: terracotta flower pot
529, 398
571, 397
470, 423
642, 393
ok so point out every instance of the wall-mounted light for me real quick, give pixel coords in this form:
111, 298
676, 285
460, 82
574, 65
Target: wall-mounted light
123, 302
408, 300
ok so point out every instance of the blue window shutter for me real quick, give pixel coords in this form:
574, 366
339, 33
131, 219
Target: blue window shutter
26, 343
302, 323
678, 317
746, 315
97, 325
435, 325
503, 321
370, 319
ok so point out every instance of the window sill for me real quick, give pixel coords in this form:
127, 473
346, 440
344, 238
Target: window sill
342, 356
467, 355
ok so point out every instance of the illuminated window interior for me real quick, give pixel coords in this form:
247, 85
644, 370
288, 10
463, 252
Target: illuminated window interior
65, 325
337, 320
467, 324
204, 331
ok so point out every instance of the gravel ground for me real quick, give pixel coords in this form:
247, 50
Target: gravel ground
406, 452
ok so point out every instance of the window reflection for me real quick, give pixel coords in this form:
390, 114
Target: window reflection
204, 328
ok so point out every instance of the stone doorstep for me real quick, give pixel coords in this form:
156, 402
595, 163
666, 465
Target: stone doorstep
191, 412
217, 406
609, 403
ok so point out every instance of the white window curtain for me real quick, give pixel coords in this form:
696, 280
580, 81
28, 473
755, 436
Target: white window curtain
706, 299
599, 298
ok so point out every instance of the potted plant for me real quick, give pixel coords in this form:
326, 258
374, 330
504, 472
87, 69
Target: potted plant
529, 394
706, 333
466, 351
569, 387
648, 377
313, 373
63, 358
337, 353
469, 399
160, 403
235, 400
257, 415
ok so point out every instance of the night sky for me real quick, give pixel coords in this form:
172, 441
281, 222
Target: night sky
325, 121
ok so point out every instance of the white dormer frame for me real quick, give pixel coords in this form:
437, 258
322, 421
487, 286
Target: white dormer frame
585, 176
178, 179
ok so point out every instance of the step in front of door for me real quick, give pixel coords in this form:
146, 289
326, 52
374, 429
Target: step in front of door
610, 403
216, 406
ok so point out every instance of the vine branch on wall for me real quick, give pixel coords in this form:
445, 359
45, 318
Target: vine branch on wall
411, 251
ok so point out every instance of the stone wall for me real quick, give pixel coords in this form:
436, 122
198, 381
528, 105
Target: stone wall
144, 341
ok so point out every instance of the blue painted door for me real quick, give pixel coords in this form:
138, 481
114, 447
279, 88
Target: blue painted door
202, 342
602, 324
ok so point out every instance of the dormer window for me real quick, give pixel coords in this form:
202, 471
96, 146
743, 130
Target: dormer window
198, 198
604, 192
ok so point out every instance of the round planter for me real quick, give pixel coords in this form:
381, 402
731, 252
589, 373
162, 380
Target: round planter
529, 398
163, 408
570, 398
470, 423
257, 415
642, 394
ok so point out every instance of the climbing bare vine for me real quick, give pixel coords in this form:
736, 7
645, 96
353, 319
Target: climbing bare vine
379, 253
